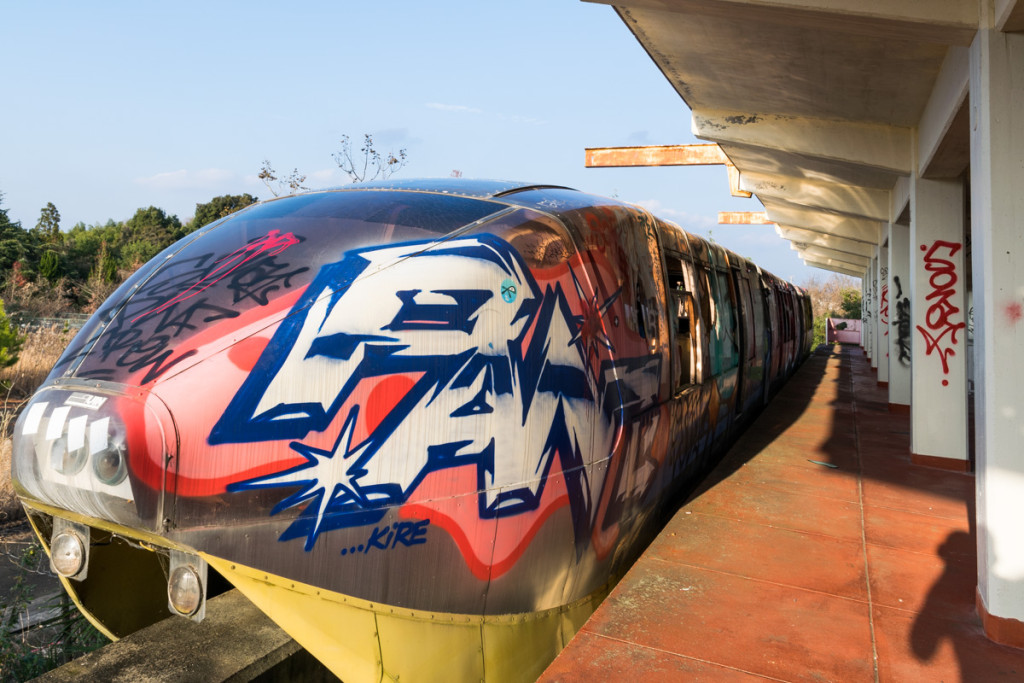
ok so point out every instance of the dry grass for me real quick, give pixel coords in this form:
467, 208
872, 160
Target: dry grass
38, 355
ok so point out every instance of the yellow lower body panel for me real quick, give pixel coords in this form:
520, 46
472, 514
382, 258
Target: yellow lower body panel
360, 641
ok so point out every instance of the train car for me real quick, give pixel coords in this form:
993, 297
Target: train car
424, 425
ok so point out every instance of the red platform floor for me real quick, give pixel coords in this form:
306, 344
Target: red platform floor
783, 568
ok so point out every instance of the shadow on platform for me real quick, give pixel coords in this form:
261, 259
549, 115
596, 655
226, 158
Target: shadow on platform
815, 550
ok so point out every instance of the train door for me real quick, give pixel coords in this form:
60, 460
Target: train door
725, 348
785, 301
744, 337
752, 315
775, 335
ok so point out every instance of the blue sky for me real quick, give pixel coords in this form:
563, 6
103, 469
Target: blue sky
114, 106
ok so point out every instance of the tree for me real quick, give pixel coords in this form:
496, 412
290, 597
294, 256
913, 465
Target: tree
48, 226
49, 265
218, 207
10, 340
368, 164
850, 306
146, 234
13, 241
382, 166
828, 300
826, 296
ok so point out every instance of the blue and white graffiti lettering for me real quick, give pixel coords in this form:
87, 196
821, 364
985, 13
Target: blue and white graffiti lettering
391, 536
479, 355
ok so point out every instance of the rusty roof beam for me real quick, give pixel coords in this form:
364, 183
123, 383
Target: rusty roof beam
657, 155
666, 155
743, 218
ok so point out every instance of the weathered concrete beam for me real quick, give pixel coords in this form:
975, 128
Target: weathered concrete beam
801, 236
235, 642
872, 145
1010, 15
811, 251
900, 207
834, 267
853, 200
859, 229
943, 138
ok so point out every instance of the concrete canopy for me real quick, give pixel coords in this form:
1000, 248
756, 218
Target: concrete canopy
819, 103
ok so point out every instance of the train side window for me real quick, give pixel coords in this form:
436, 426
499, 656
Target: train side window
726, 349
685, 322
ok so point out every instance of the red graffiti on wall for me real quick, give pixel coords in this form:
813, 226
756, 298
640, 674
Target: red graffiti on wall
940, 331
883, 310
1014, 312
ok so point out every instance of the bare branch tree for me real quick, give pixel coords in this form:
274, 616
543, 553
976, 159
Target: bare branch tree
367, 164
827, 295
293, 181
372, 165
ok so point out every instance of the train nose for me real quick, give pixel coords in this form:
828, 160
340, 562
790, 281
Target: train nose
100, 449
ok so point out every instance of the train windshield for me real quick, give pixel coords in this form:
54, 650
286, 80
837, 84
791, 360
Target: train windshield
248, 267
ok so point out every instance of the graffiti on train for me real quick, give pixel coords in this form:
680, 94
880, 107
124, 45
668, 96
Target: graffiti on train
402, 409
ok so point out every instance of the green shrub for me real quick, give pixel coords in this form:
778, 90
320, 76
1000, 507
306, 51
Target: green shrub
10, 340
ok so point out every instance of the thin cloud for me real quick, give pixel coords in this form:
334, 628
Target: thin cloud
516, 118
454, 107
462, 109
187, 180
659, 209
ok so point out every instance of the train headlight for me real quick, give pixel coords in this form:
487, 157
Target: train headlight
100, 451
67, 554
109, 463
83, 429
185, 590
69, 548
186, 585
65, 460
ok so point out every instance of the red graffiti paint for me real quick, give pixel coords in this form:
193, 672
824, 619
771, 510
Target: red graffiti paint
1014, 312
940, 330
883, 310
273, 243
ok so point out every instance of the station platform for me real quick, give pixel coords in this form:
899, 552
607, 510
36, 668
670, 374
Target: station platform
816, 551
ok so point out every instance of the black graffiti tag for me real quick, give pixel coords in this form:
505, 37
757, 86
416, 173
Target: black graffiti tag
140, 331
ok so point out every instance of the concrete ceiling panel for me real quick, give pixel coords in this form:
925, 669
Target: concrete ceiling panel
849, 199
946, 21
837, 256
858, 229
824, 264
809, 237
751, 159
887, 148
789, 66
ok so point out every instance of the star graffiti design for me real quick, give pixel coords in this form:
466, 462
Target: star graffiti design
327, 479
589, 324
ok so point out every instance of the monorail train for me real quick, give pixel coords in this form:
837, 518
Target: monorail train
423, 425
